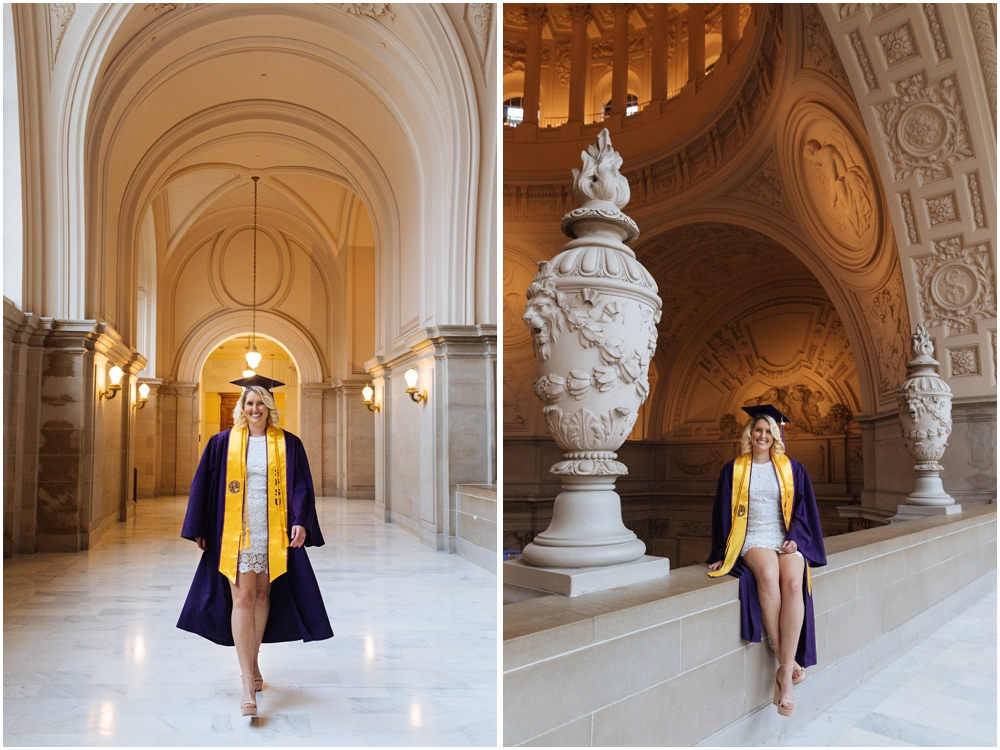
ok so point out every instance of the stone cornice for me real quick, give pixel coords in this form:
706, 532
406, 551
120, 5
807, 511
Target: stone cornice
439, 341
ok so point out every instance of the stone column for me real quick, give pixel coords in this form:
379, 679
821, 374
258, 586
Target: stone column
355, 427
580, 15
19, 474
423, 451
148, 451
696, 41
659, 53
594, 335
312, 428
179, 441
533, 63
730, 28
925, 417
619, 58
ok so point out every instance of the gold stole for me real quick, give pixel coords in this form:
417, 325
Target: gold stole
235, 526
741, 504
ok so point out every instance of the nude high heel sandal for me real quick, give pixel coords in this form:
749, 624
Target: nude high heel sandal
783, 705
248, 708
258, 682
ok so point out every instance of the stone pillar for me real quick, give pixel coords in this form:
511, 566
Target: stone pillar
423, 451
730, 28
355, 429
533, 63
659, 53
383, 438
696, 41
925, 417
580, 15
20, 403
147, 431
311, 427
179, 437
593, 337
619, 58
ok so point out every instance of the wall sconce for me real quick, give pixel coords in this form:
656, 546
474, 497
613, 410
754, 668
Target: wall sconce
115, 373
411, 386
368, 392
143, 396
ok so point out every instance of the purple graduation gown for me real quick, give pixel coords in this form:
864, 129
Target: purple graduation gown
805, 531
297, 611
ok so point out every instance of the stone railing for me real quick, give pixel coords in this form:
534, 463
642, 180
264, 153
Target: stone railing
600, 669
476, 524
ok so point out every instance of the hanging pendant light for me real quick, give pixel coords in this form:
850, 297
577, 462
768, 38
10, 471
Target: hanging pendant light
253, 357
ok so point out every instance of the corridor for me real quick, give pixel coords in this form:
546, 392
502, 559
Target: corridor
92, 655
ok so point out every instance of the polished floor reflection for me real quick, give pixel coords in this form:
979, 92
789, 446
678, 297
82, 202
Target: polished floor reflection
92, 655
940, 693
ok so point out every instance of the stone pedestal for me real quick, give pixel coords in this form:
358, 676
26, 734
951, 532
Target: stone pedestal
577, 581
910, 512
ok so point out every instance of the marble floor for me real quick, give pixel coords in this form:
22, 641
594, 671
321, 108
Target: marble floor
940, 693
92, 655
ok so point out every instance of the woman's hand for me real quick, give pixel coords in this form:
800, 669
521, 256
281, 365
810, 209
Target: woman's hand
788, 547
298, 536
200, 542
715, 565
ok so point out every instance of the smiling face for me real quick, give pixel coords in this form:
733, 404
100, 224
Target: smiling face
256, 411
761, 438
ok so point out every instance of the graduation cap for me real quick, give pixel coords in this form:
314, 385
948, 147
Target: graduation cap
255, 379
767, 410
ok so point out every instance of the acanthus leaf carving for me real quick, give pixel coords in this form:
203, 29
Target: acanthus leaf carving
818, 50
59, 17
923, 127
369, 10
764, 187
937, 33
478, 17
957, 285
861, 54
582, 430
911, 225
976, 198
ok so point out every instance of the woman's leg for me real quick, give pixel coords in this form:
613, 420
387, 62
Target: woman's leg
790, 570
261, 610
244, 627
763, 563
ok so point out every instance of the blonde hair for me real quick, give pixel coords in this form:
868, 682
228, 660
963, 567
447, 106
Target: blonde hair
273, 415
777, 448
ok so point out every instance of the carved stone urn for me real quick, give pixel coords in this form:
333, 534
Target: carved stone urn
592, 311
925, 415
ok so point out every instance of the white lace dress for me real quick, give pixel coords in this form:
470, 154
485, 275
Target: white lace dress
255, 558
765, 526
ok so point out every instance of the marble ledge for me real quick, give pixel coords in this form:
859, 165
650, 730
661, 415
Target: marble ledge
545, 627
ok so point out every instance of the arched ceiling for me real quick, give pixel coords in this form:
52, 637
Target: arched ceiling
743, 318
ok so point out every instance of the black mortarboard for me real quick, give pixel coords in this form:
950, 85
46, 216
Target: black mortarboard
767, 410
761, 410
255, 379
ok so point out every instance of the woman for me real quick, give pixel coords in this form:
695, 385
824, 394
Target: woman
252, 511
766, 532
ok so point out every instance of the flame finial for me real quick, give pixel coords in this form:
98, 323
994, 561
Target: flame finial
600, 180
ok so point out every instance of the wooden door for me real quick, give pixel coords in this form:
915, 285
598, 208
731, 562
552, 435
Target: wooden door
227, 402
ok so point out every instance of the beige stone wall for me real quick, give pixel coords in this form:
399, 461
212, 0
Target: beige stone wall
598, 669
